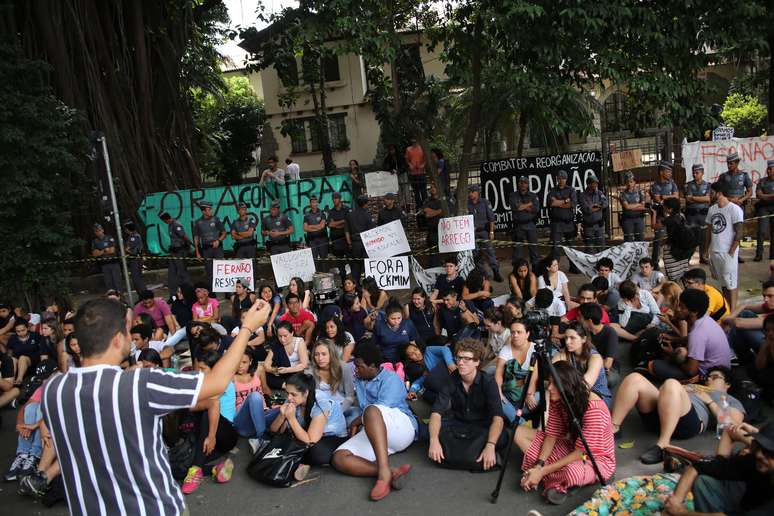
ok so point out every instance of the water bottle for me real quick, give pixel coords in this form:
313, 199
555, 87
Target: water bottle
724, 416
175, 362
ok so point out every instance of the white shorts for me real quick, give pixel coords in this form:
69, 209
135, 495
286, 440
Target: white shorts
725, 269
400, 435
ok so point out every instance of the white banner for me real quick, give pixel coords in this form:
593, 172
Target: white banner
389, 273
225, 274
293, 264
386, 240
426, 277
456, 234
753, 153
722, 132
625, 258
379, 184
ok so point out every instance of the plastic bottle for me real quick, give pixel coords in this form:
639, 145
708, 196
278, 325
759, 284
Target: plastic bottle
724, 416
175, 362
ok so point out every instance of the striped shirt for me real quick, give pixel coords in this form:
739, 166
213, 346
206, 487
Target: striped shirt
106, 427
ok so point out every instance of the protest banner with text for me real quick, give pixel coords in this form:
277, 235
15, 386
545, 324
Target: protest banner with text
626, 258
499, 179
225, 274
389, 273
293, 264
753, 153
386, 240
379, 184
456, 234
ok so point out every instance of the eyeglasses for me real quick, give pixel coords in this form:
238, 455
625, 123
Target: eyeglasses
466, 360
716, 376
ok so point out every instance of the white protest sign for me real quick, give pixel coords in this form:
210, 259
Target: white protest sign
379, 184
225, 274
625, 257
456, 234
293, 264
389, 273
386, 240
753, 153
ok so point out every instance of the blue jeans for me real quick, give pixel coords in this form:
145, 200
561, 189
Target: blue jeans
31, 446
746, 343
434, 355
252, 420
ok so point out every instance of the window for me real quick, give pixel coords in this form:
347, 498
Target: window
290, 72
331, 68
337, 128
305, 137
297, 133
615, 116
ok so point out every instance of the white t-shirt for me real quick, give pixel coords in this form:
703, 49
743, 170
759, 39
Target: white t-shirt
722, 221
613, 279
279, 176
506, 353
557, 308
656, 278
158, 345
292, 172
499, 341
561, 281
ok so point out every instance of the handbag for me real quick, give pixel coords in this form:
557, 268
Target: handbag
181, 456
462, 444
276, 462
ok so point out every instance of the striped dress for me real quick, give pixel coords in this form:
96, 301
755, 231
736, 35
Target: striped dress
598, 432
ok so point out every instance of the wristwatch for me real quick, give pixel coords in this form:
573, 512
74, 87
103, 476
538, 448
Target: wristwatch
540, 462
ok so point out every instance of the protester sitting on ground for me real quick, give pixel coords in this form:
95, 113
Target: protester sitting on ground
344, 343
257, 339
6, 325
550, 277
158, 309
71, 355
267, 293
471, 400
681, 240
557, 462
421, 311
298, 287
522, 280
707, 344
333, 377
373, 297
555, 307
586, 294
513, 362
497, 321
52, 338
391, 425
478, 290
638, 311
242, 299
29, 448
353, 315
731, 484
746, 324
301, 320
579, 351
252, 416
206, 308
8, 391
762, 370
391, 331
607, 297
288, 355
451, 280
182, 304
605, 340
458, 318
150, 358
314, 419
38, 483
697, 279
420, 363
605, 269
349, 288
674, 410
141, 339
647, 278
514, 307
24, 346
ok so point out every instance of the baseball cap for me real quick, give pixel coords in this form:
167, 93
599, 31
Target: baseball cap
734, 156
523, 179
336, 195
390, 195
593, 178
242, 205
665, 163
475, 188
697, 166
205, 204
562, 174
275, 204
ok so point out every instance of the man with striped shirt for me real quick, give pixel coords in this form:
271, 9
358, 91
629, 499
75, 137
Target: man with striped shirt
105, 422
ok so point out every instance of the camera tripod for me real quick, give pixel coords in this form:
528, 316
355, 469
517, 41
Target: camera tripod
540, 356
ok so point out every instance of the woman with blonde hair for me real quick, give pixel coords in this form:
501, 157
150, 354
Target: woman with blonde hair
334, 377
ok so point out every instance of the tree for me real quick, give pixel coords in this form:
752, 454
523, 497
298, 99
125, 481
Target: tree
745, 114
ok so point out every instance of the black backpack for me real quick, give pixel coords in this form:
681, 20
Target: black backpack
42, 371
181, 456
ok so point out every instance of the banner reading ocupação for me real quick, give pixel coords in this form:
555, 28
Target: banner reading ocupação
293, 197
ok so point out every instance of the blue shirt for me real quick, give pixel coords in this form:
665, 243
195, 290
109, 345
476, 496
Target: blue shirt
387, 389
228, 402
390, 340
335, 425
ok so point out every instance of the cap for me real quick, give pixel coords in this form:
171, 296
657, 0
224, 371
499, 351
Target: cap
770, 163
275, 203
205, 204
593, 178
765, 437
313, 198
389, 195
336, 195
697, 166
362, 199
562, 174
97, 226
242, 205
734, 156
523, 179
475, 188
665, 163
628, 176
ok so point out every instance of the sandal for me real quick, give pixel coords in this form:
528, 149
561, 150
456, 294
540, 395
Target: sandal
554, 496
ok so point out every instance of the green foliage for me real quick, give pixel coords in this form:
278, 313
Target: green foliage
43, 152
745, 114
229, 129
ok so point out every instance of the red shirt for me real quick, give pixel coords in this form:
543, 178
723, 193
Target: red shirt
303, 315
572, 315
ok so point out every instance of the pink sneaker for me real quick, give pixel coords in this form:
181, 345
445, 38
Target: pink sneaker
223, 471
192, 480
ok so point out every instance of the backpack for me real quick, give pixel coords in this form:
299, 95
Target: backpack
683, 239
42, 371
181, 456
749, 395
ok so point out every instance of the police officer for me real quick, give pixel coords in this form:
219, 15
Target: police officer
243, 233
104, 246
337, 222
764, 206
483, 221
738, 182
562, 200
179, 244
314, 227
661, 189
593, 204
276, 229
358, 220
208, 233
390, 211
697, 201
134, 248
433, 211
633, 210
525, 208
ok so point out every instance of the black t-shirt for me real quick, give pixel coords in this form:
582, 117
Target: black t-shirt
757, 498
432, 222
443, 285
451, 320
477, 405
606, 342
6, 366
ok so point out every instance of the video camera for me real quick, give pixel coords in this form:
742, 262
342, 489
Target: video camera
538, 323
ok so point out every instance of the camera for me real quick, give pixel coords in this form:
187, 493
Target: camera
538, 323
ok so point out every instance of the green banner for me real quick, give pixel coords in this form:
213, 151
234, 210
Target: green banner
293, 196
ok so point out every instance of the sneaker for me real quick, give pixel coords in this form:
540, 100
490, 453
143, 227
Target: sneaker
301, 472
223, 471
555, 497
35, 484
652, 455
29, 466
192, 480
16, 468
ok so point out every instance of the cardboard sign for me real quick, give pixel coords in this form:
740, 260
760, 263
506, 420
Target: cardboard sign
626, 160
722, 132
385, 241
379, 184
225, 274
293, 264
456, 234
753, 154
389, 273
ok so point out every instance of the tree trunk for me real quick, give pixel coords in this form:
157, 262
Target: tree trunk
522, 133
325, 141
771, 81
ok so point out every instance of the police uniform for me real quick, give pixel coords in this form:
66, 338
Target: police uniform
762, 209
134, 248
277, 245
358, 220
593, 221
482, 217
563, 229
244, 247
433, 203
737, 183
338, 235
111, 270
633, 221
524, 229
660, 188
317, 240
208, 231
696, 212
177, 270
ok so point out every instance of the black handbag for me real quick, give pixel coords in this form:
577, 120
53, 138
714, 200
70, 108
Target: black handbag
462, 444
276, 462
181, 456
